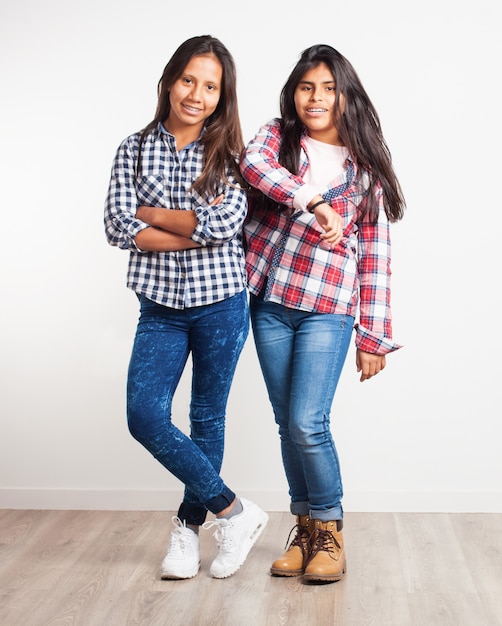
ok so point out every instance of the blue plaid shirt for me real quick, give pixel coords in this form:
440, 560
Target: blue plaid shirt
186, 278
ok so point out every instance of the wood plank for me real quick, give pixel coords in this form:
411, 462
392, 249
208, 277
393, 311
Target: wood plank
82, 568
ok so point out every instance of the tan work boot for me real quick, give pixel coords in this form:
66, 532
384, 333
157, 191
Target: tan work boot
327, 560
292, 562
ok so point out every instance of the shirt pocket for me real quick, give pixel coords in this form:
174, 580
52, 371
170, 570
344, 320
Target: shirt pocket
150, 190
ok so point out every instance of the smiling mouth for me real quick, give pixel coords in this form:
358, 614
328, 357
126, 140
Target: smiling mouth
317, 110
192, 109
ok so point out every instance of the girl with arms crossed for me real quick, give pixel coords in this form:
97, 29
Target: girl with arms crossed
176, 202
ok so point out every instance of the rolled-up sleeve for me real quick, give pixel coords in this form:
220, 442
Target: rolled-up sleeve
220, 223
121, 225
374, 330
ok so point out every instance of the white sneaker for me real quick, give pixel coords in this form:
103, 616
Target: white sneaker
183, 555
235, 538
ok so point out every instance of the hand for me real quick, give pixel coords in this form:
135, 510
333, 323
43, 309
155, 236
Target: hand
217, 200
369, 364
331, 222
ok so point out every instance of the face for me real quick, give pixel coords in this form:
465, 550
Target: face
195, 95
315, 103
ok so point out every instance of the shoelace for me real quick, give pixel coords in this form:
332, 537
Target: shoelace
324, 542
179, 540
223, 538
301, 538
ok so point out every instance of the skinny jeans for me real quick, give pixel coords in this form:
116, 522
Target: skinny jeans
301, 356
214, 335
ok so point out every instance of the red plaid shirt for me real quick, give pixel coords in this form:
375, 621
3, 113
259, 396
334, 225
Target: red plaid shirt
284, 247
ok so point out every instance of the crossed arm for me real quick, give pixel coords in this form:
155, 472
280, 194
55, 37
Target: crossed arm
168, 230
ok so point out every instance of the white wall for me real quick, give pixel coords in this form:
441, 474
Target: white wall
76, 78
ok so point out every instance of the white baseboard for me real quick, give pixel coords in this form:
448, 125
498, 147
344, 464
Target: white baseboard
142, 500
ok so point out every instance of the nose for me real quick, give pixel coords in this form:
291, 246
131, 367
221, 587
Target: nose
315, 95
195, 93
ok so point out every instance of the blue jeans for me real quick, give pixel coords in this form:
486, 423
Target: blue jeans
301, 355
214, 335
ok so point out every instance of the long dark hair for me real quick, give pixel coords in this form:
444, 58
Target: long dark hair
223, 141
358, 127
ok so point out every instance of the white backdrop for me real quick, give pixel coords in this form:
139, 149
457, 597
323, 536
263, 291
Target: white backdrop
76, 78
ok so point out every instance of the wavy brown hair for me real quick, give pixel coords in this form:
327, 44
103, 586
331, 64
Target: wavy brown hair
358, 127
223, 141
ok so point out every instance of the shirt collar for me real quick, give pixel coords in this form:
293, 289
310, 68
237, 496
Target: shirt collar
160, 130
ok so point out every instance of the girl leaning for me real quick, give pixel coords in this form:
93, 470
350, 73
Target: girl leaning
318, 253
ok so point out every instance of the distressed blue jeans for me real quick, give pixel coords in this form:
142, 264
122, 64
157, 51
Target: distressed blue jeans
301, 355
214, 335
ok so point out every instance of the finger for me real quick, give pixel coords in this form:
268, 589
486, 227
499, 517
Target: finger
217, 200
332, 232
370, 369
364, 372
332, 240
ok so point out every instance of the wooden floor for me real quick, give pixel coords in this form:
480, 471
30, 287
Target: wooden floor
100, 568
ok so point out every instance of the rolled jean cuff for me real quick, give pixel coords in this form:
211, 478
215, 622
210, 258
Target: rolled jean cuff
300, 508
327, 515
219, 503
195, 514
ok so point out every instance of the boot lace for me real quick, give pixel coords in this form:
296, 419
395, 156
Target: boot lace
301, 538
325, 542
